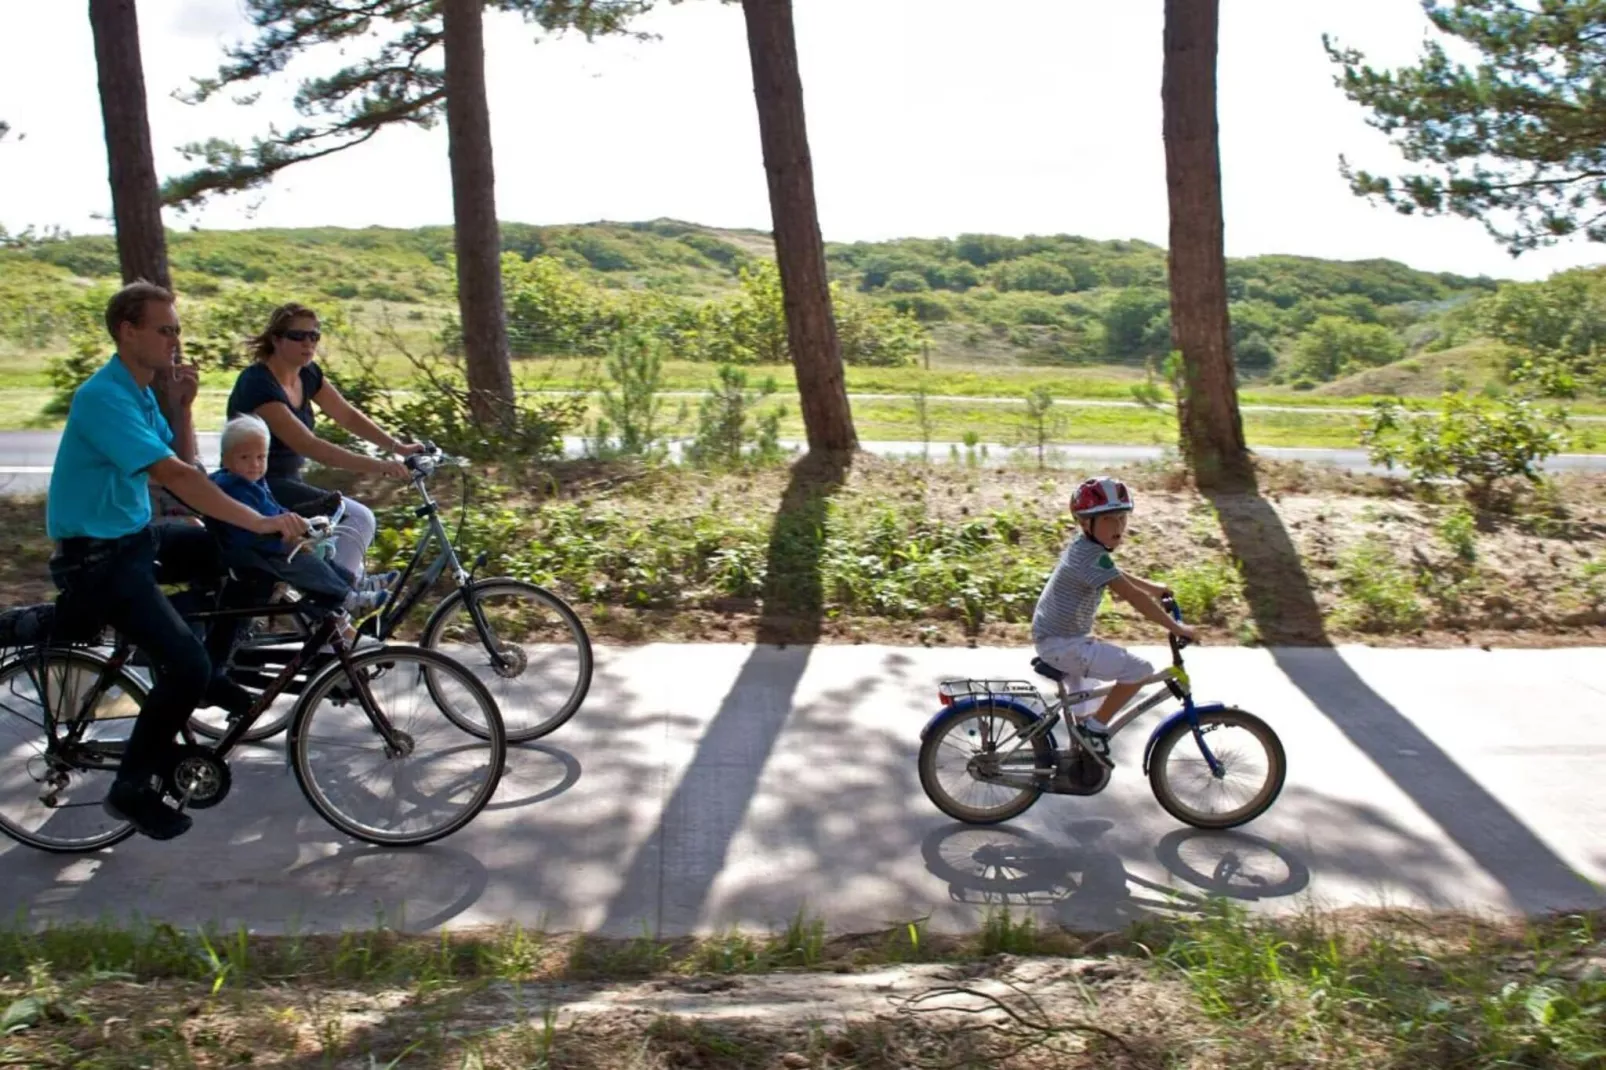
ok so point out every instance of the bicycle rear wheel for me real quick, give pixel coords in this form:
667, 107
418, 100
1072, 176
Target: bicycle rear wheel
51, 789
437, 780
546, 653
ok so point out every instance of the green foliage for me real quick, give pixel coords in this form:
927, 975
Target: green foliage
1332, 347
438, 409
1129, 321
714, 295
1459, 529
216, 333
1042, 424
1378, 594
1475, 440
88, 347
729, 432
1314, 991
1513, 140
1204, 590
628, 426
1556, 330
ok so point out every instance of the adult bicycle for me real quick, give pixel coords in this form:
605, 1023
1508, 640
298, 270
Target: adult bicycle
366, 732
523, 642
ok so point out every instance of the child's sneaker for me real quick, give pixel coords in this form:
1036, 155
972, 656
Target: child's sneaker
379, 581
1097, 734
363, 604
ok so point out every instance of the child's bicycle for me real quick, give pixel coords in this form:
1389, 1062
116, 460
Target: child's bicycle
991, 752
522, 641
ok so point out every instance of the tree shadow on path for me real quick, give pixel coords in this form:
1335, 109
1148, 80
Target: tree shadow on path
669, 878
1290, 622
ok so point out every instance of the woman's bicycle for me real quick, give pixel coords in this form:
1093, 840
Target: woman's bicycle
991, 752
522, 641
365, 721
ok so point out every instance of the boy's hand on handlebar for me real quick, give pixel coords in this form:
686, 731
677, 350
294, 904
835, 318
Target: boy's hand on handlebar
285, 525
1186, 631
407, 449
395, 470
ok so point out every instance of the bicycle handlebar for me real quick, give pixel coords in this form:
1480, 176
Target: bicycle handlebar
424, 464
1169, 604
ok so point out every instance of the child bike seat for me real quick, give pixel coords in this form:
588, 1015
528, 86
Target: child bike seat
1043, 668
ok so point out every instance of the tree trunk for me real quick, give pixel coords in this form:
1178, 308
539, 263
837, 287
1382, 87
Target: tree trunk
136, 201
477, 236
1212, 429
799, 251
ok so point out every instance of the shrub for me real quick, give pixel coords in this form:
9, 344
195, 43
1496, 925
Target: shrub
630, 408
1378, 593
88, 348
1460, 531
1333, 346
1203, 591
1475, 440
729, 433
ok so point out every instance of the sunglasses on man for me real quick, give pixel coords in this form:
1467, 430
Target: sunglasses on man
301, 336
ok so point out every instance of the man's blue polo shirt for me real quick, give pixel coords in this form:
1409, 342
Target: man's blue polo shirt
114, 433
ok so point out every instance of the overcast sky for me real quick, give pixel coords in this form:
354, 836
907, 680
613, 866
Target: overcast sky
924, 120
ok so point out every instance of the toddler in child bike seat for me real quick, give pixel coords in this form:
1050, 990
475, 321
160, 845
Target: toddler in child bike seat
324, 583
1062, 624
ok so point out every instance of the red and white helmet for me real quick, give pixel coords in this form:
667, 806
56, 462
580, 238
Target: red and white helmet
1099, 495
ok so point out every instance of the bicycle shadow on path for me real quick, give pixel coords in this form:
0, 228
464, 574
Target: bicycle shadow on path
1290, 622
670, 876
1087, 886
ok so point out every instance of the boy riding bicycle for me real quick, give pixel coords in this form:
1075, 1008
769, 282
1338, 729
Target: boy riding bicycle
110, 560
1062, 624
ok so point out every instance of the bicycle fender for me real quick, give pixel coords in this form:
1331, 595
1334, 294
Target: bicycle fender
965, 705
1180, 715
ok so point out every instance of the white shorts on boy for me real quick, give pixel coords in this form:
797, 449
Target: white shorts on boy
1088, 662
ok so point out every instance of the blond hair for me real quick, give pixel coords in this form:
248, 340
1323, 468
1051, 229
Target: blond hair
242, 429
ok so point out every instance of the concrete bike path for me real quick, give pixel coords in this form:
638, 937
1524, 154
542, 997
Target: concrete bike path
703, 786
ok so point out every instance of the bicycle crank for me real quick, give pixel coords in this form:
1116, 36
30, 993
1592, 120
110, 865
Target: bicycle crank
199, 779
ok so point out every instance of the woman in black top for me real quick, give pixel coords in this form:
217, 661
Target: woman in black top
281, 387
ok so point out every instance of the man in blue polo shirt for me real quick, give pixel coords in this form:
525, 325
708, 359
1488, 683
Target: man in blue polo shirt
109, 559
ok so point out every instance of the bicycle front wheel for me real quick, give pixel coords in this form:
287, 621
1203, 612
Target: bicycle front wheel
52, 782
1249, 776
432, 782
544, 670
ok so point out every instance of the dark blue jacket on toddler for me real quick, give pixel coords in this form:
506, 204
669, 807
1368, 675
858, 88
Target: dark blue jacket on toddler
326, 583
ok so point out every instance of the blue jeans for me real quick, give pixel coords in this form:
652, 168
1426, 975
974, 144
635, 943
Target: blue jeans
115, 582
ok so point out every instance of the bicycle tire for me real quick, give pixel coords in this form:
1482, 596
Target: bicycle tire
130, 684
1165, 794
373, 658
931, 746
435, 629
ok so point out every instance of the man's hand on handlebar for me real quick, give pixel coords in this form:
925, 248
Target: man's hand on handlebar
407, 449
395, 470
1187, 631
287, 526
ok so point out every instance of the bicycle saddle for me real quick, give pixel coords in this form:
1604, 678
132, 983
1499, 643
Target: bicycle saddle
1043, 668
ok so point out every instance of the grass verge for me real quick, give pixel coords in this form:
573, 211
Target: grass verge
1217, 990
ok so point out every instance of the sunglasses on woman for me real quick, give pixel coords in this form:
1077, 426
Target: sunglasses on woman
301, 336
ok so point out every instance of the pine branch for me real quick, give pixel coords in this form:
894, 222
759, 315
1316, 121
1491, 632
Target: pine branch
396, 84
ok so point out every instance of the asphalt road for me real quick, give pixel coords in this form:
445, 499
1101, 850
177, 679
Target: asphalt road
26, 456
703, 786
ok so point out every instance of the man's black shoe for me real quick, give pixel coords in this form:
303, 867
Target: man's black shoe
142, 807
